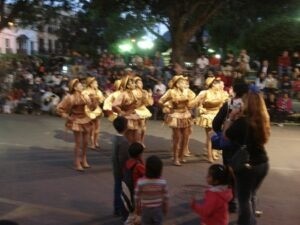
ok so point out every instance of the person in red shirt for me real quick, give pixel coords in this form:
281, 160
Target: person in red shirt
284, 64
214, 207
135, 162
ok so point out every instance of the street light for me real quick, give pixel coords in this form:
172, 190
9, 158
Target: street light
145, 44
125, 47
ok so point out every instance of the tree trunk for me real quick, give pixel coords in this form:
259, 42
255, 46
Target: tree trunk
179, 44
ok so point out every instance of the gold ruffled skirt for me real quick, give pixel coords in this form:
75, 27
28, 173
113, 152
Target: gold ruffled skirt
178, 119
79, 124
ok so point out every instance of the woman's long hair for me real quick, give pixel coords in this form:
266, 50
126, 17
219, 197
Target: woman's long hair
258, 117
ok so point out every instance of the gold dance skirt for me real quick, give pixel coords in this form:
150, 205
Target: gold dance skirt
179, 119
79, 124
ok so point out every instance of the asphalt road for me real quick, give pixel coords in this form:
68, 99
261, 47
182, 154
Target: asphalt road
39, 187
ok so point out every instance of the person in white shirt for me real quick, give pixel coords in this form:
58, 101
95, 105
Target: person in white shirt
159, 86
202, 62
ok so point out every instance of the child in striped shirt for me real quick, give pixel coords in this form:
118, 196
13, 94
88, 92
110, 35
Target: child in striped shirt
151, 193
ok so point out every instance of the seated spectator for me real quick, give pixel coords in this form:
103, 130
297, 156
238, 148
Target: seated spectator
271, 102
284, 107
7, 106
296, 73
271, 83
260, 81
286, 84
296, 88
159, 87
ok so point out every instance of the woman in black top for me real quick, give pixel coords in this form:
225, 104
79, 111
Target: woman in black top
250, 126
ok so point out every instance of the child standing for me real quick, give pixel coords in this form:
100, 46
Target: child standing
135, 163
151, 194
214, 208
134, 169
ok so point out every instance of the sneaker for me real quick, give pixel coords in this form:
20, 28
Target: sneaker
258, 213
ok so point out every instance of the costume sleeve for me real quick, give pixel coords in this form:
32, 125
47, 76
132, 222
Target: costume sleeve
219, 119
107, 105
100, 96
198, 99
166, 97
118, 102
206, 208
63, 108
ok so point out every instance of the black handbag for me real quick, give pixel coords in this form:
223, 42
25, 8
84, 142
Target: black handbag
241, 158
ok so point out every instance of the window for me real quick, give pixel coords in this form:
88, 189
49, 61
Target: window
7, 43
50, 46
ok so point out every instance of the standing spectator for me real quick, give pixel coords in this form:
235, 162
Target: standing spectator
243, 61
121, 144
213, 209
239, 90
202, 64
284, 64
250, 126
151, 193
156, 110
134, 166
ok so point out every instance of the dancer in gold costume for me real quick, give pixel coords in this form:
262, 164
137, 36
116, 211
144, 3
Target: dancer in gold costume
72, 108
210, 102
125, 105
144, 98
97, 98
178, 117
109, 100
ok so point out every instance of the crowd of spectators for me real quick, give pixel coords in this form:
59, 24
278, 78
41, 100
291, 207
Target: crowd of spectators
35, 86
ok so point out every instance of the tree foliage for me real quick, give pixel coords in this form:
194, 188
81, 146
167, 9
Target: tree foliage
245, 24
29, 12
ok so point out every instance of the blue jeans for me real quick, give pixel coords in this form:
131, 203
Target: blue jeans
119, 207
248, 181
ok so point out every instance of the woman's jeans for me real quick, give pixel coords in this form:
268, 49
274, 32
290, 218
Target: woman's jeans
248, 181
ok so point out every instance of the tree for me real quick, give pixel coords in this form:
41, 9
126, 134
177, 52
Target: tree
183, 18
240, 23
28, 12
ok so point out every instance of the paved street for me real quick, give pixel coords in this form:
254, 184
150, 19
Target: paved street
39, 187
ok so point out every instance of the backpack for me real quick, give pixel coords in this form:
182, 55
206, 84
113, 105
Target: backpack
128, 187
